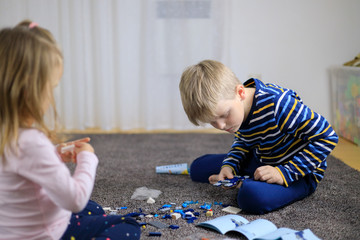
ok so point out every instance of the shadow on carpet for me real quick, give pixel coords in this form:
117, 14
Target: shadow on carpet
128, 161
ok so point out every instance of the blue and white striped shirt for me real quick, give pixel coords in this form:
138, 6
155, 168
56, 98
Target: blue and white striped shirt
283, 132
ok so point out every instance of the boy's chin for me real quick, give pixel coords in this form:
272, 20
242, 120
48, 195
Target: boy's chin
231, 131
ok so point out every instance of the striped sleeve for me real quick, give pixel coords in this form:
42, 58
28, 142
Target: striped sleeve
236, 156
296, 119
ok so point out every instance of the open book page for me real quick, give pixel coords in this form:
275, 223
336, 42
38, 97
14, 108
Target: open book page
277, 234
225, 223
256, 228
260, 229
306, 234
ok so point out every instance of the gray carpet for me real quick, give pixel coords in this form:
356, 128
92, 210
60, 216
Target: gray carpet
128, 162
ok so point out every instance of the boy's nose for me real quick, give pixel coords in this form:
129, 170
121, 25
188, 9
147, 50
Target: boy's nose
219, 125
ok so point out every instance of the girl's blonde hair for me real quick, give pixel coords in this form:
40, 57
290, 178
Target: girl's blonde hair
29, 56
202, 86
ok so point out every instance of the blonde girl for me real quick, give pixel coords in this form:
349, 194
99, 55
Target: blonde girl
39, 198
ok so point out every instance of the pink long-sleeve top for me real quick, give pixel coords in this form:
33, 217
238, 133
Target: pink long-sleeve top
38, 192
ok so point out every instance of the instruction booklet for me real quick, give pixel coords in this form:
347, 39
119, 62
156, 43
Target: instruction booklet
259, 229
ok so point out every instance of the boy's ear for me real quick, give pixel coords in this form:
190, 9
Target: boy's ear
240, 91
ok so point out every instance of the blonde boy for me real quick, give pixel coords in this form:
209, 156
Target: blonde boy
279, 142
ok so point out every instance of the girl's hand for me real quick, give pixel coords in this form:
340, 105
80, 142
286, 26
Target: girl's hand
82, 146
268, 174
67, 150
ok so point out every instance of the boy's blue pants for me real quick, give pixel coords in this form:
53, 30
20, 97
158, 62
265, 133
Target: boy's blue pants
254, 196
92, 223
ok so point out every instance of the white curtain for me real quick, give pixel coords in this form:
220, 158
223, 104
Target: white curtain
124, 59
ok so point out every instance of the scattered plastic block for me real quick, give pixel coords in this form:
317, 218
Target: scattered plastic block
206, 206
150, 200
164, 209
166, 206
189, 214
180, 211
175, 216
166, 216
134, 214
191, 220
209, 213
174, 226
187, 203
121, 208
232, 210
154, 234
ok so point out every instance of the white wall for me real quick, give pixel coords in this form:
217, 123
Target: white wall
291, 43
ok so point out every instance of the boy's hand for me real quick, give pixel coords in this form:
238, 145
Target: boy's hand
225, 173
70, 154
214, 178
268, 174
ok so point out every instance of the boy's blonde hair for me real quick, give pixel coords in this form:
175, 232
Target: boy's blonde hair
202, 86
29, 56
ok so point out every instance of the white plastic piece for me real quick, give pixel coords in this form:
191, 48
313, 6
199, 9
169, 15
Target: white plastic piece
150, 200
232, 210
190, 213
175, 216
143, 193
68, 148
